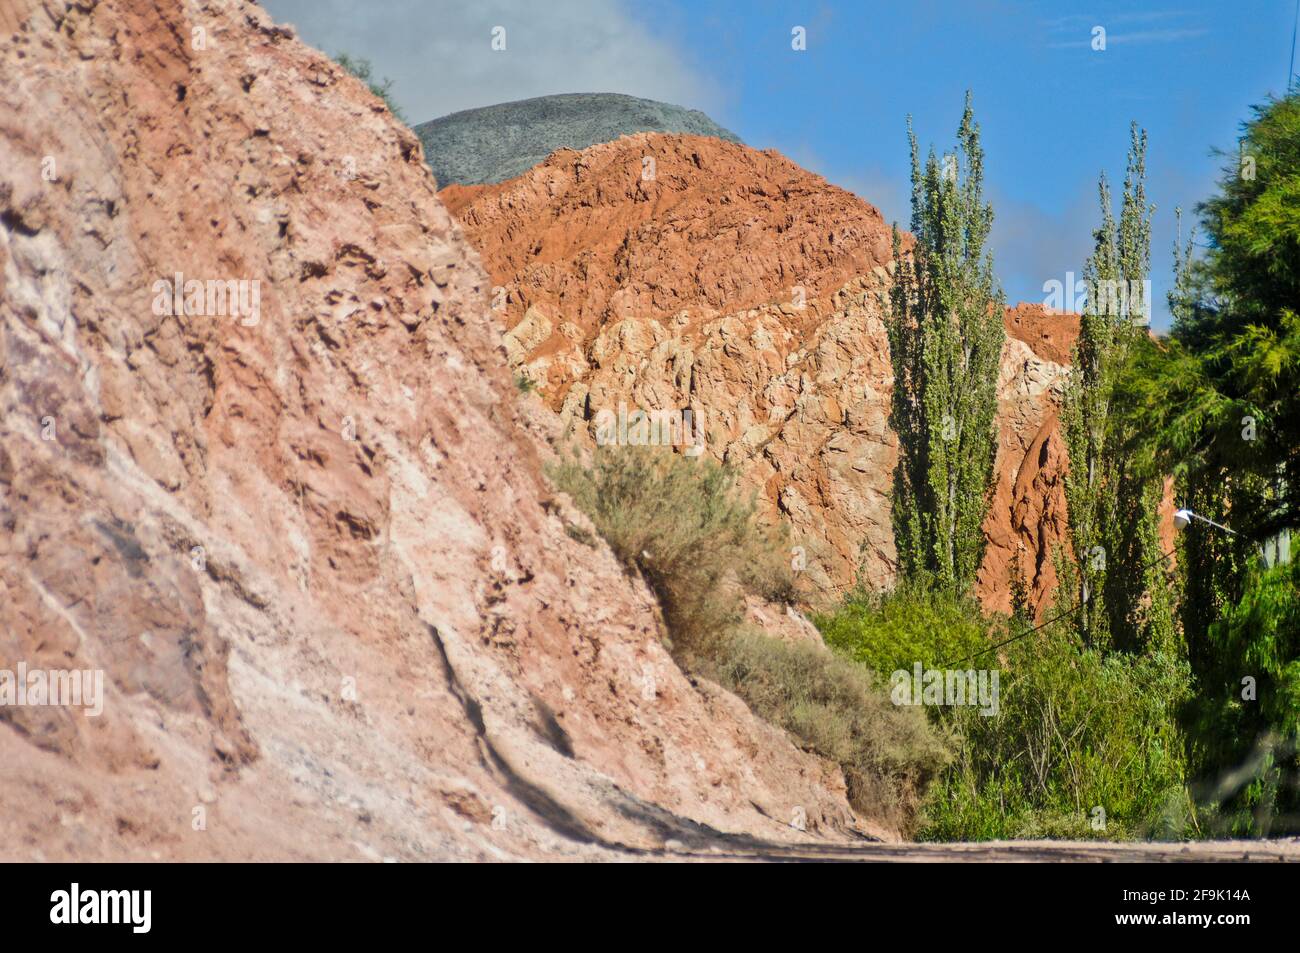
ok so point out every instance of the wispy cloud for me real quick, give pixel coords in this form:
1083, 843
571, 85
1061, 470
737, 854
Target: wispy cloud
1150, 26
1072, 20
1144, 36
1149, 16
439, 52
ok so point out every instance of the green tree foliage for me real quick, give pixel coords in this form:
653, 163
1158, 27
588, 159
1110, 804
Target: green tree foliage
945, 336
1116, 575
1217, 404
1021, 608
1249, 720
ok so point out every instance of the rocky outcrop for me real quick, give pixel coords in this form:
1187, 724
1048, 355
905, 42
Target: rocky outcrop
739, 286
499, 142
296, 522
1027, 519
669, 228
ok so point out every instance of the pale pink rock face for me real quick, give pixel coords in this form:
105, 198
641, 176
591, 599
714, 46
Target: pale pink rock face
336, 607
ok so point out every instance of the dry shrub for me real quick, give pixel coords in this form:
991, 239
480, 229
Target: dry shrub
838, 709
680, 523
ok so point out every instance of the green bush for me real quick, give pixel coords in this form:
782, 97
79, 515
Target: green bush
1081, 737
895, 630
1075, 729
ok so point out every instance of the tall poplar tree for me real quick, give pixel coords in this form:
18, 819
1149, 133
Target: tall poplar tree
945, 336
1115, 573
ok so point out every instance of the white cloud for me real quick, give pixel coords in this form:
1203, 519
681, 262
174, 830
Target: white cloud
1142, 36
1079, 24
1073, 20
439, 54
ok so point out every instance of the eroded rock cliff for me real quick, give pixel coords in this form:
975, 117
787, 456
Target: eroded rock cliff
662, 272
304, 537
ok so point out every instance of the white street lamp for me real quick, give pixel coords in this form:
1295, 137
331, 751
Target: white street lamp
1275, 550
1183, 519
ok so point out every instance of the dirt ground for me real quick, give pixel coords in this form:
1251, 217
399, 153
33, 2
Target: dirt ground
1233, 851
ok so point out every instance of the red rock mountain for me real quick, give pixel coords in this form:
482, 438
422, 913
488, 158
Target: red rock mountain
661, 271
654, 225
305, 540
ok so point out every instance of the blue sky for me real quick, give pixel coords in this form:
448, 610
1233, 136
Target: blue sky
1054, 112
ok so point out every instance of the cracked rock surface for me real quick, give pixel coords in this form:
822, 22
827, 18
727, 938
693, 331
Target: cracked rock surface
305, 539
